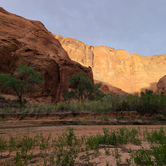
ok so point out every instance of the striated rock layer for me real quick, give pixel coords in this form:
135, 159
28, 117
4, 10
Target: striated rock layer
131, 73
28, 42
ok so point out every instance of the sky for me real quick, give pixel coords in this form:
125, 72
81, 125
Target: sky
137, 26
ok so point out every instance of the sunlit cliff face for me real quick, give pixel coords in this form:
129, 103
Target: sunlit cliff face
131, 73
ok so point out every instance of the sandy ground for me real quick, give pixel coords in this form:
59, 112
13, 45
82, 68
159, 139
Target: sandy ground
78, 129
32, 127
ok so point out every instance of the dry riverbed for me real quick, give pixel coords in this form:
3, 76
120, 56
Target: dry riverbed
82, 125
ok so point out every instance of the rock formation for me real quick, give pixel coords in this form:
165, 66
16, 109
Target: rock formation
28, 42
108, 89
131, 73
161, 85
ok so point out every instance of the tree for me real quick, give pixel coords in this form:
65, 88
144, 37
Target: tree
149, 102
23, 80
82, 88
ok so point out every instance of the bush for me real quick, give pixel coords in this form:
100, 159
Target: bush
149, 102
82, 88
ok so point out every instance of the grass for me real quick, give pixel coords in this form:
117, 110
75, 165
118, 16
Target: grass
67, 148
145, 103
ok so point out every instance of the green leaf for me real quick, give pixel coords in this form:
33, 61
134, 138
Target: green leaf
83, 88
23, 81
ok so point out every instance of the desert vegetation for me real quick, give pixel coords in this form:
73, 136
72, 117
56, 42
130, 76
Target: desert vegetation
83, 96
69, 149
86, 98
145, 103
22, 81
82, 88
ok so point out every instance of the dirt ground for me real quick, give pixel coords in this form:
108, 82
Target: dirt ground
14, 126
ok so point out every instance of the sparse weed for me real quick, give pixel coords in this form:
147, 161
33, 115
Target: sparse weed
66, 148
142, 157
117, 157
107, 163
157, 136
105, 117
107, 149
1, 118
3, 144
159, 154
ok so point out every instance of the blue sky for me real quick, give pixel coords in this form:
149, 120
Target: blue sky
134, 25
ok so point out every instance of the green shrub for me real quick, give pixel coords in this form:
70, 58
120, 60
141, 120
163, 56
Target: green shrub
156, 136
142, 157
148, 102
159, 154
82, 88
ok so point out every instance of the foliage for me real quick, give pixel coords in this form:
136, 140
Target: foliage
121, 135
148, 102
82, 88
156, 136
24, 80
145, 103
67, 148
142, 157
117, 156
3, 144
156, 156
159, 154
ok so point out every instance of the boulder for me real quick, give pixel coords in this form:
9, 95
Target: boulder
30, 43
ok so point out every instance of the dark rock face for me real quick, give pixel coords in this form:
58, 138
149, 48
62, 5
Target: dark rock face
161, 85
30, 43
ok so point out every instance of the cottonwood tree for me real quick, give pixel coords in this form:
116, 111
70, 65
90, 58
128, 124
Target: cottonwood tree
22, 81
82, 88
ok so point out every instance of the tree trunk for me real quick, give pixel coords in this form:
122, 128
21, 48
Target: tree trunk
20, 99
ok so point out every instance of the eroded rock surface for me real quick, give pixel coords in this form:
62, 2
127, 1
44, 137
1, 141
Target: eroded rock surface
161, 85
108, 89
131, 73
30, 43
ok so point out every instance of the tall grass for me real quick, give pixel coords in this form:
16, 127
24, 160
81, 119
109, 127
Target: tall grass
146, 102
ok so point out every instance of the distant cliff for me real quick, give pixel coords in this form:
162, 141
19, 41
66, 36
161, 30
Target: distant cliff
131, 73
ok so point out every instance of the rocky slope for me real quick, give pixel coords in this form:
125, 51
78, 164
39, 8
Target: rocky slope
131, 73
28, 42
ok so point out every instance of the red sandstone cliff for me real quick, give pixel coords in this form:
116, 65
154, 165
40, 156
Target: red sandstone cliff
28, 42
131, 73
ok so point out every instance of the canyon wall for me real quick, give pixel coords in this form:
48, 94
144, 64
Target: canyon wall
30, 43
131, 73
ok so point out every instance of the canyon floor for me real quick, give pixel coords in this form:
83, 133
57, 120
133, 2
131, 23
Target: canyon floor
13, 125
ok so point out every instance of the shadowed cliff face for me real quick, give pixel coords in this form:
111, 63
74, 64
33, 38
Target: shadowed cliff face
131, 73
28, 42
161, 85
